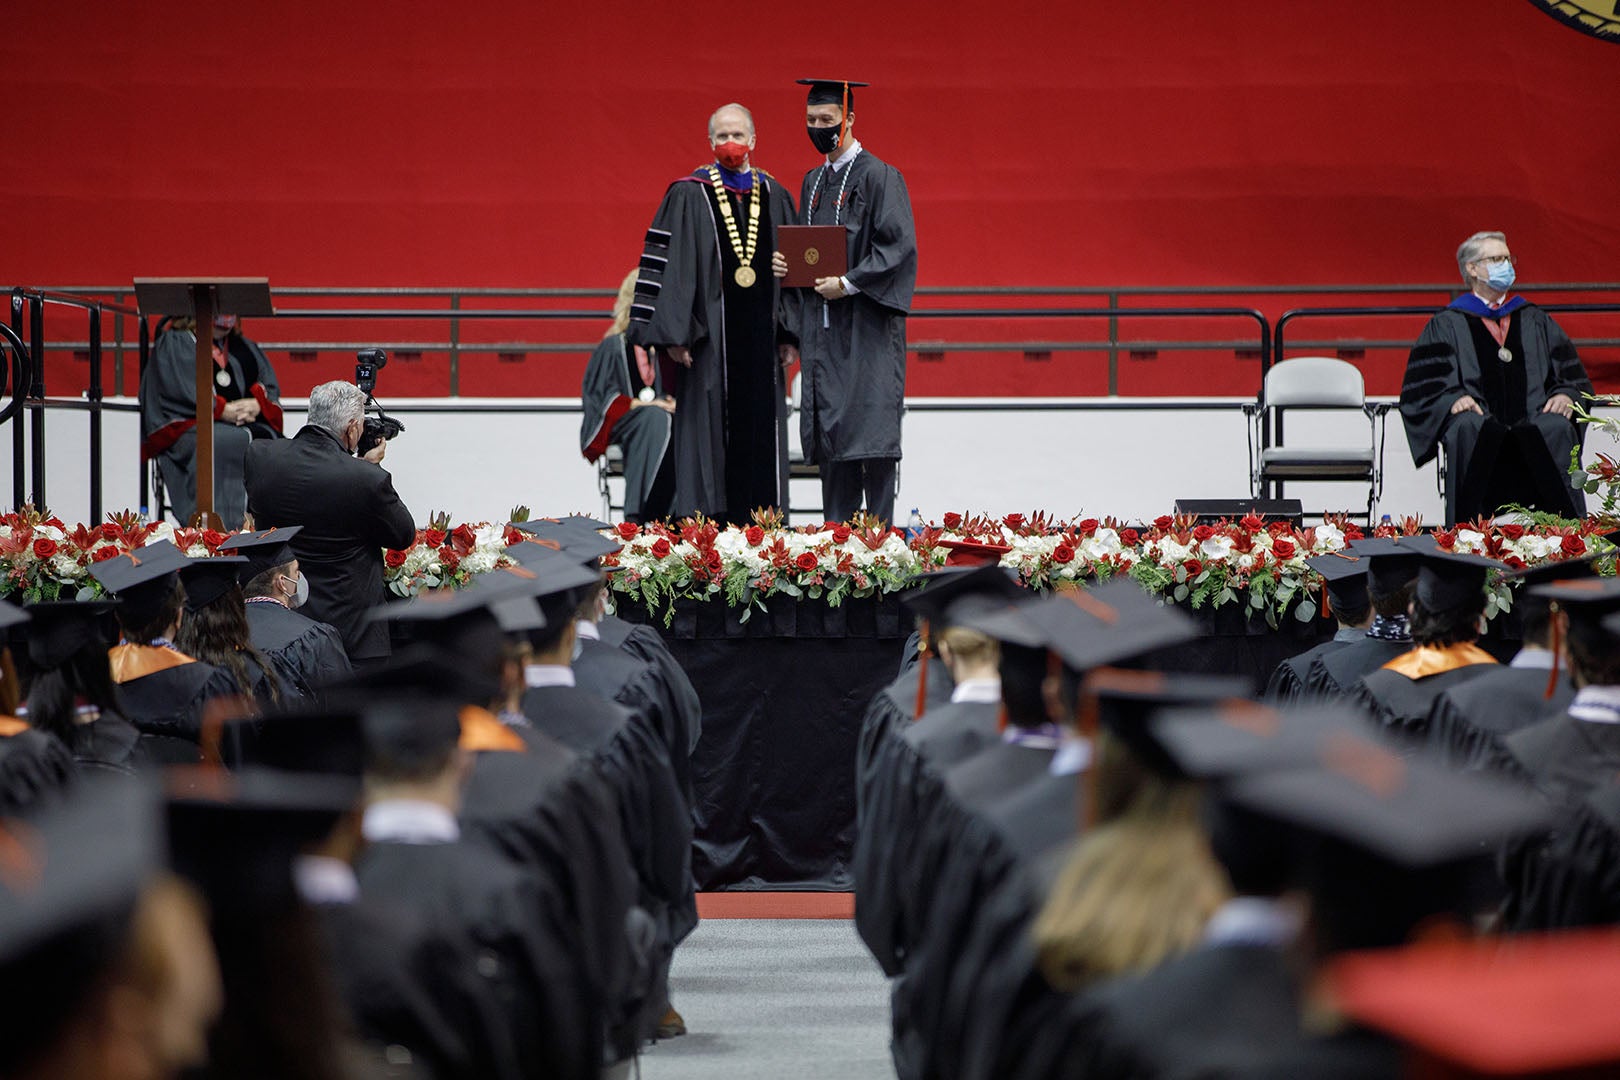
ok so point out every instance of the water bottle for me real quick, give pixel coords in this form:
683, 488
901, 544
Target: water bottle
914, 527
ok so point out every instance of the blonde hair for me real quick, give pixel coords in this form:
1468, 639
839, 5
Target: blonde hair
621, 304
969, 646
1139, 887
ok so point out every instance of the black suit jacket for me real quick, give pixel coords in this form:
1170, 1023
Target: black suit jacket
350, 513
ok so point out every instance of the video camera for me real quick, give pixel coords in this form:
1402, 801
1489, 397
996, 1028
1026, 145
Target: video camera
380, 427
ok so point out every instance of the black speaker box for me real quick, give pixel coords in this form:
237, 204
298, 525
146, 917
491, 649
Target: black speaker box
1210, 510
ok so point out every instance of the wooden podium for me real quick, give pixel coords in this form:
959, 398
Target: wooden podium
202, 299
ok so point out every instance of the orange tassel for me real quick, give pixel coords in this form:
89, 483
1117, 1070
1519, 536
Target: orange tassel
922, 672
1555, 642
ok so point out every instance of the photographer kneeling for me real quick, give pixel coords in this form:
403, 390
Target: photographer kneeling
347, 507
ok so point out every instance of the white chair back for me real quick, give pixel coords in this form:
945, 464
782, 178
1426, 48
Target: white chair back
1315, 381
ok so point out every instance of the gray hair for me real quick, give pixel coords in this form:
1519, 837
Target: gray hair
1470, 249
715, 115
335, 405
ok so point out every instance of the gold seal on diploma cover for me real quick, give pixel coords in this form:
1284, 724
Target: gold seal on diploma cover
1599, 18
811, 256
745, 276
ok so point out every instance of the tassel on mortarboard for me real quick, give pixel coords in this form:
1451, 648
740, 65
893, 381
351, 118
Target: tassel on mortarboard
922, 671
1555, 642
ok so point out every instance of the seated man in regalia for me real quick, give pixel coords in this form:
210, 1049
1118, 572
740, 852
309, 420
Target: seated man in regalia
1494, 380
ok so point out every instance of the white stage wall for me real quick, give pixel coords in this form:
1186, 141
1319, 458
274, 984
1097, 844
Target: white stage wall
1129, 458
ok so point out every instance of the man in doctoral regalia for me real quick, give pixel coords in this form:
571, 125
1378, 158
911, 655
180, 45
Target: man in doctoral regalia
1494, 380
852, 331
704, 299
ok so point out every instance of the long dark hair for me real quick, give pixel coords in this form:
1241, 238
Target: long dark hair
53, 692
217, 633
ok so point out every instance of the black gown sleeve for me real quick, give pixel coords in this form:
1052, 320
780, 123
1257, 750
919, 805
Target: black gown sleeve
886, 272
669, 308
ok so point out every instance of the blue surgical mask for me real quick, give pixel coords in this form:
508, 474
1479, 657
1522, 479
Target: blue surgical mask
300, 592
1500, 276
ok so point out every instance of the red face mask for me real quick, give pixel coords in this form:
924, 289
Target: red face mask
731, 154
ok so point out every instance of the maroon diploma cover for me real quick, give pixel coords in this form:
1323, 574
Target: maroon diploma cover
813, 251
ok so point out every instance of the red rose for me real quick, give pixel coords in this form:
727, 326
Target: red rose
1283, 549
1129, 537
806, 560
449, 559
1279, 528
433, 537
628, 530
1163, 521
953, 521
392, 559
112, 531
102, 554
1013, 521
754, 535
1063, 553
1194, 568
841, 534
1512, 532
1088, 526
1203, 532
1252, 522
44, 548
1572, 546
660, 548
1514, 562
212, 538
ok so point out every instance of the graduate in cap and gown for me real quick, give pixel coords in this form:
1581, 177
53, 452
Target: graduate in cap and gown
1493, 379
306, 653
1344, 586
161, 690
1468, 723
852, 326
625, 405
69, 686
35, 768
706, 301
215, 630
106, 970
1448, 618
1391, 570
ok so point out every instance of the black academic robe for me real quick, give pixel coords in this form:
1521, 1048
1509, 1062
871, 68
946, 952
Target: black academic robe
167, 706
169, 420
108, 743
1352, 1054
608, 396
1400, 706
640, 686
1335, 673
730, 430
306, 653
1468, 723
349, 511
510, 930
854, 348
1454, 356
1289, 680
1211, 1012
954, 731
36, 769
551, 813
644, 643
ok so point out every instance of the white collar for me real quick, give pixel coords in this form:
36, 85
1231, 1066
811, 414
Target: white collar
1532, 658
1597, 704
847, 156
1073, 755
409, 821
1493, 305
587, 630
1252, 920
538, 675
324, 880
981, 691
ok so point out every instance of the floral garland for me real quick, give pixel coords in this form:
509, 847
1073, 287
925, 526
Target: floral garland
1249, 562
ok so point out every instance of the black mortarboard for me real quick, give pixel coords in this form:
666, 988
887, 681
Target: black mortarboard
1345, 577
963, 591
415, 673
840, 92
1234, 738
410, 734
147, 566
310, 740
207, 580
1392, 564
1127, 701
1090, 627
11, 615
573, 538
60, 628
1402, 810
264, 549
1588, 596
1448, 580
73, 876
586, 521
236, 834
559, 578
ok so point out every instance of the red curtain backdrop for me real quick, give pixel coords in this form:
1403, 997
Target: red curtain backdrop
527, 143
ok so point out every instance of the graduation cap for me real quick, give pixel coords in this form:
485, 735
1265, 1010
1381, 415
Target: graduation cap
1128, 700
148, 566
1088, 628
1527, 1005
207, 580
559, 579
58, 629
70, 880
264, 549
1448, 579
573, 537
327, 739
417, 673
1234, 738
943, 591
1392, 564
11, 615
236, 834
840, 92
1344, 577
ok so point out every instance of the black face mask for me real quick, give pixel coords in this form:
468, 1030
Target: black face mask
824, 139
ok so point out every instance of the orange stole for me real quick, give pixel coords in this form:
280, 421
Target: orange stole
483, 730
130, 662
1426, 660
10, 725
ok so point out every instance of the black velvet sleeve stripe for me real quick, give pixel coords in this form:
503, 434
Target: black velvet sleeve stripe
658, 238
